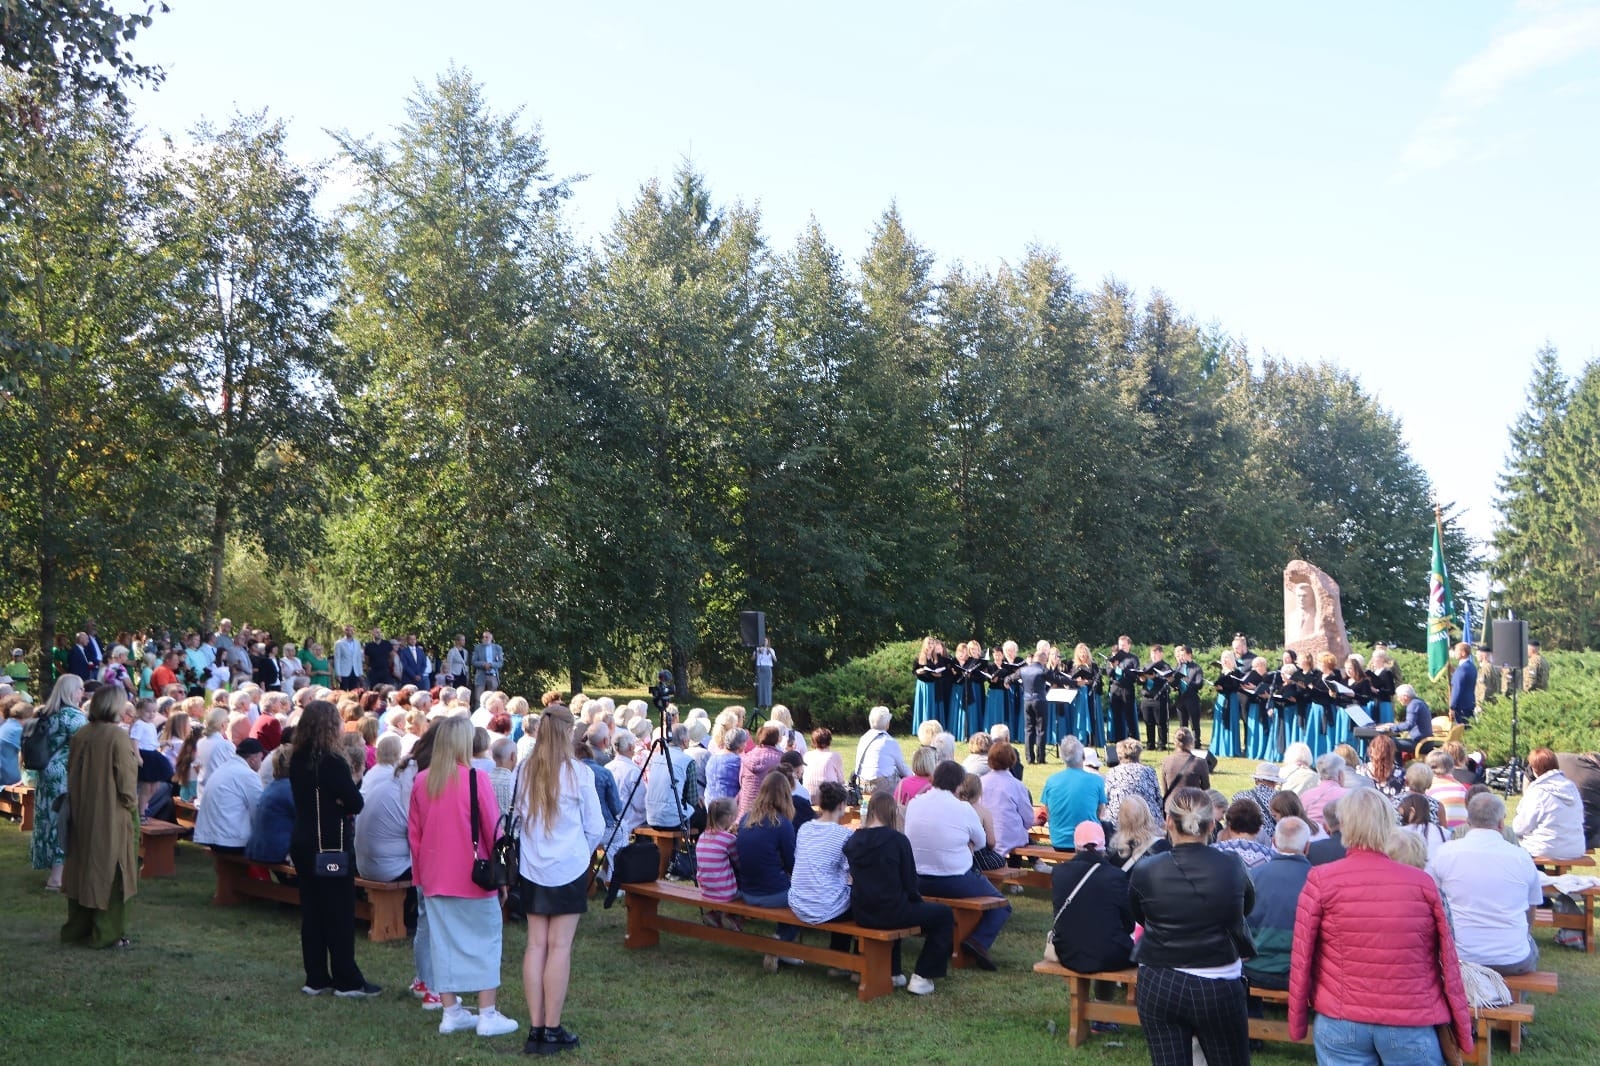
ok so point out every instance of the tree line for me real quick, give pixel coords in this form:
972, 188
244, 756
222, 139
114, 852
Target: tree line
435, 409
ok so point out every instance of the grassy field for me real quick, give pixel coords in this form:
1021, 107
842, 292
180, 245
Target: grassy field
203, 983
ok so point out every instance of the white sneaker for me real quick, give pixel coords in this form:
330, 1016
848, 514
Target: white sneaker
457, 1020
919, 985
492, 1023
899, 980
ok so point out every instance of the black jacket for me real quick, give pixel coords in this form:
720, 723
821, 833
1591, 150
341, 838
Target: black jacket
339, 801
883, 877
1192, 901
1096, 932
1329, 850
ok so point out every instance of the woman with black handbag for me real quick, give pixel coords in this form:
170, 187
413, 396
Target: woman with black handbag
325, 799
451, 828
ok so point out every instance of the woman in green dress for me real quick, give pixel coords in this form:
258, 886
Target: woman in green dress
48, 851
317, 667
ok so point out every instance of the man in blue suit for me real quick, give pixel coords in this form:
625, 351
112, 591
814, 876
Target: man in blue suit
1464, 686
78, 657
413, 663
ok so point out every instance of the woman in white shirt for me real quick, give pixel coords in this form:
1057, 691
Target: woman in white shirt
289, 668
561, 826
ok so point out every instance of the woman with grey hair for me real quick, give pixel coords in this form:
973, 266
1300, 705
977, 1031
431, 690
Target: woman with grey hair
1329, 787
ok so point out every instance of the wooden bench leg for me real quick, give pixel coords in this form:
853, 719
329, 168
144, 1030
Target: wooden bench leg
877, 973
160, 858
966, 924
1078, 989
666, 848
27, 822
642, 914
1484, 1052
388, 915
228, 875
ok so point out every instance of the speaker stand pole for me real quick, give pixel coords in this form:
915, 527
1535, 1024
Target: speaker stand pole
1514, 770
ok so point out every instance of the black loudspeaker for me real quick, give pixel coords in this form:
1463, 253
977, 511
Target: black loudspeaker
1508, 638
752, 628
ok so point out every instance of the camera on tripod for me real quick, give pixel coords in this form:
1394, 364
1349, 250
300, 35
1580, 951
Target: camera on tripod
662, 692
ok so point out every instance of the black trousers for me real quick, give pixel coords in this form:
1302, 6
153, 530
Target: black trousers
1175, 1007
1123, 724
938, 924
1189, 715
327, 928
1155, 715
1035, 713
350, 682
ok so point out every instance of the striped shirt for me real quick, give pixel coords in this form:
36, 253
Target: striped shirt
819, 888
715, 854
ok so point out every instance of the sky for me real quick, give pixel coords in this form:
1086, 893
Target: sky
1407, 191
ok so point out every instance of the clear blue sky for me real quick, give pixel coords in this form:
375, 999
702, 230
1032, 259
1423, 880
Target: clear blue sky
1405, 190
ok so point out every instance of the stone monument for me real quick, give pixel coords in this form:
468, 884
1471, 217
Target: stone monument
1313, 617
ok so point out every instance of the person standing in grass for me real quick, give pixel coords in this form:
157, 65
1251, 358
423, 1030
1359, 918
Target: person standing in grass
561, 826
62, 720
464, 922
102, 866
325, 799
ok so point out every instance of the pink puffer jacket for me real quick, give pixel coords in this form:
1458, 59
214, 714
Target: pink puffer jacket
1372, 944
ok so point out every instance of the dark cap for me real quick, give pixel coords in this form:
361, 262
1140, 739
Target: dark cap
249, 746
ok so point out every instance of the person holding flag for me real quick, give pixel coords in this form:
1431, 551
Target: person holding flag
1439, 614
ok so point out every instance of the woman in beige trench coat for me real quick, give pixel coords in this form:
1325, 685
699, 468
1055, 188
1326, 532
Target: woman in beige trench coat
102, 866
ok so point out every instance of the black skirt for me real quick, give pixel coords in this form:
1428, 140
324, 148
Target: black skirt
570, 898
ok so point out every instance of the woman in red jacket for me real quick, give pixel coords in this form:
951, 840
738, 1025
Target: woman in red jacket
1346, 931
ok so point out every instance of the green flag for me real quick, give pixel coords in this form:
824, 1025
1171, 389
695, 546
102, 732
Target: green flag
1439, 617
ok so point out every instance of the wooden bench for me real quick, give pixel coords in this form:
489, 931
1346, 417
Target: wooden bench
186, 812
1582, 921
158, 843
1486, 1020
1083, 1008
383, 909
969, 911
1557, 867
646, 923
16, 801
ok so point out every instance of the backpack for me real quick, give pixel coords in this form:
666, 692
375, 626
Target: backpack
36, 741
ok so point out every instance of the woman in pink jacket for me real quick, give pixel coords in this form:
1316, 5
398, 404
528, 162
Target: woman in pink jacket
1366, 915
464, 920
755, 764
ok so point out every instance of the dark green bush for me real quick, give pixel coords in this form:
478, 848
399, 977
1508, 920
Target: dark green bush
840, 698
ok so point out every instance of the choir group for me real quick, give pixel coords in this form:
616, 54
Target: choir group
1257, 710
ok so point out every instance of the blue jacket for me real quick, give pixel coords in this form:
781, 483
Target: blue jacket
272, 824
1418, 721
605, 785
766, 858
1271, 920
1464, 688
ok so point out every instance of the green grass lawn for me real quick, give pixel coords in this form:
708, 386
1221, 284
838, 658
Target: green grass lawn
212, 984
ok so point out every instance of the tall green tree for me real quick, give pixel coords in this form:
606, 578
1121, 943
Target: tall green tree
455, 315
676, 308
246, 319
96, 515
1532, 552
77, 47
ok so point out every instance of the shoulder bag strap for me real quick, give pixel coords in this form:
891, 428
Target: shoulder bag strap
1070, 897
861, 758
472, 806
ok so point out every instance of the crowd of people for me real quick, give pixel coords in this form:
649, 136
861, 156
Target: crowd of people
394, 778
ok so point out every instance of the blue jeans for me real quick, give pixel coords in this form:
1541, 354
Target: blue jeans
966, 886
1342, 1043
775, 899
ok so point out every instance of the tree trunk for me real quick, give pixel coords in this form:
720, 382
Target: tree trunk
219, 546
575, 668
680, 673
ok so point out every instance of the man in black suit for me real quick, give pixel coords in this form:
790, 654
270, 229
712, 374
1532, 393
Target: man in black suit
1034, 682
1331, 849
78, 657
1124, 665
380, 659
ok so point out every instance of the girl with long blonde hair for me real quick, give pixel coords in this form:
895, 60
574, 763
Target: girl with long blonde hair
561, 826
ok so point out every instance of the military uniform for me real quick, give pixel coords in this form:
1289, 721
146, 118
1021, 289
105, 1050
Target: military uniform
1537, 674
1491, 682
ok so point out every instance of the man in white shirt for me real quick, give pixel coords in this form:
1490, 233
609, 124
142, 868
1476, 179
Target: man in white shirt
879, 762
347, 660
233, 786
944, 832
1492, 887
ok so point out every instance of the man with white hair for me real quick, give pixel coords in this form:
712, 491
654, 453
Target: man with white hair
1072, 795
1417, 723
880, 765
1492, 887
1278, 883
